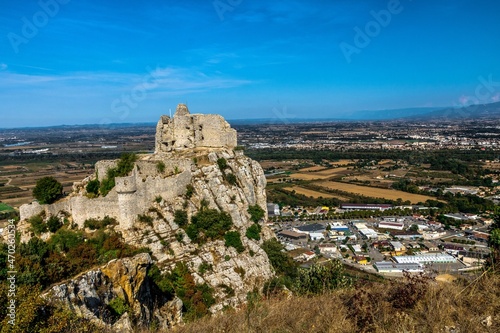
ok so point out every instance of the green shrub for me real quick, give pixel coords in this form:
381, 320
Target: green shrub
158, 199
222, 163
107, 185
179, 237
280, 260
38, 226
233, 239
208, 224
227, 257
119, 306
160, 166
123, 168
196, 299
145, 219
189, 191
204, 267
227, 290
256, 213
181, 218
53, 223
231, 179
64, 240
125, 164
321, 278
47, 190
93, 187
253, 232
95, 224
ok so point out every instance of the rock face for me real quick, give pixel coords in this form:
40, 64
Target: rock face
185, 173
90, 294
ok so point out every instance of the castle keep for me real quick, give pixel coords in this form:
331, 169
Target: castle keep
191, 131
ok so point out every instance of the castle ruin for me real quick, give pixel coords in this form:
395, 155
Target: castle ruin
190, 131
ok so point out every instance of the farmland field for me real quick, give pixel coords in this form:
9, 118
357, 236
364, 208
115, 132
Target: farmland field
312, 193
323, 174
5, 208
374, 192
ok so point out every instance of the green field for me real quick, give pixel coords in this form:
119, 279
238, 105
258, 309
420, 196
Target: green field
5, 208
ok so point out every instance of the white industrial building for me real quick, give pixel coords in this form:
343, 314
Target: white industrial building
391, 225
426, 258
391, 267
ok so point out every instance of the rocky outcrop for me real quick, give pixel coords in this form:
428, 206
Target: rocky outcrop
91, 293
194, 166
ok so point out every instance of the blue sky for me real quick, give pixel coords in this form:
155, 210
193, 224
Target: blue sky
89, 61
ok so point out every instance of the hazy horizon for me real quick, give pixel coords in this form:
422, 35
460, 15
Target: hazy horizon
88, 62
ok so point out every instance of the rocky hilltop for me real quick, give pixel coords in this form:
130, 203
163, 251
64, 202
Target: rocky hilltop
195, 173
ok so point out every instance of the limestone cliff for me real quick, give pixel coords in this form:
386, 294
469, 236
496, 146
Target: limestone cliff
90, 294
195, 166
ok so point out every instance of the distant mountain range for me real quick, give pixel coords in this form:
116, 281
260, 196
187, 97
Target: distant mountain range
477, 111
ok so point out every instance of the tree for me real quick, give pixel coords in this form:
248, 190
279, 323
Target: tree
414, 227
47, 190
280, 260
93, 187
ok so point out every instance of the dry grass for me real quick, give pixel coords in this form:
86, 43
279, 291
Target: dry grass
374, 192
398, 306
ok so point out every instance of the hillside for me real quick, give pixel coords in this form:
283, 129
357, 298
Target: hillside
413, 305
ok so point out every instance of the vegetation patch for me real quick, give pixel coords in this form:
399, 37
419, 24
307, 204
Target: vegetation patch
253, 232
189, 191
320, 278
47, 190
118, 306
38, 225
208, 224
92, 187
54, 223
160, 167
123, 168
233, 239
256, 213
95, 224
145, 219
196, 298
181, 218
5, 208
